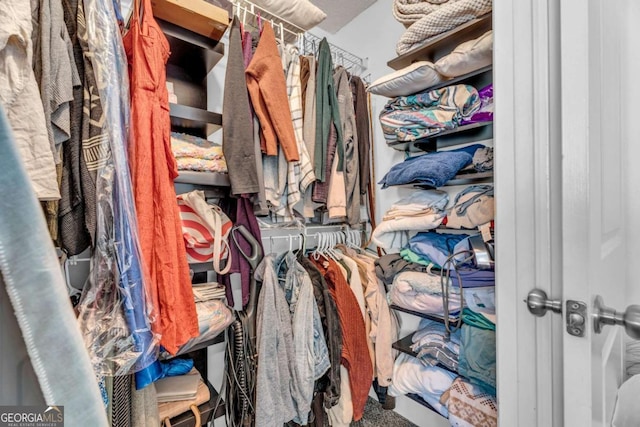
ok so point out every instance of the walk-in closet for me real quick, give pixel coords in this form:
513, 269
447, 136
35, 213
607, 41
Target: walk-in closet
318, 213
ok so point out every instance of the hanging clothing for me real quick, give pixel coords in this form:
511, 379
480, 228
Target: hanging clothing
330, 386
350, 143
115, 297
40, 300
237, 139
57, 75
355, 356
267, 87
327, 113
260, 206
276, 368
240, 212
308, 82
153, 169
55, 70
310, 348
361, 107
78, 232
20, 96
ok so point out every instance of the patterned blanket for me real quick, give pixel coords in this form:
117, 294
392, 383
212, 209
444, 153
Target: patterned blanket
471, 406
428, 19
407, 118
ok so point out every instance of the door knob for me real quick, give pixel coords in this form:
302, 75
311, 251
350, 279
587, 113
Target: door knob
538, 303
603, 315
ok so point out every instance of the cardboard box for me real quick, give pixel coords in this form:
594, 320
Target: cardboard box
194, 15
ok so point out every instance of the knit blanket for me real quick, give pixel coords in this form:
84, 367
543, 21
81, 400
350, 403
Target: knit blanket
408, 118
430, 18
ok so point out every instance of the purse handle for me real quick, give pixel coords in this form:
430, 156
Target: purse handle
196, 412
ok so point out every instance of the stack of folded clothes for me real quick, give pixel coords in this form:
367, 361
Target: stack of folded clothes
422, 210
197, 154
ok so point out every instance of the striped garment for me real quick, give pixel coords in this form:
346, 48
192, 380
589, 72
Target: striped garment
407, 118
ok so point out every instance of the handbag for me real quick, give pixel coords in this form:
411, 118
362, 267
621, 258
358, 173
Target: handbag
205, 229
168, 410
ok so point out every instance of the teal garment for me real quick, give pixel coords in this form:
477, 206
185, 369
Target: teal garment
477, 320
478, 357
326, 112
410, 256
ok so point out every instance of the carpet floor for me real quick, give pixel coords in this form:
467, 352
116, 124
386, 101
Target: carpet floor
376, 416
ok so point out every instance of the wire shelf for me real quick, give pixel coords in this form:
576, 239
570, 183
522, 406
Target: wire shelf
308, 43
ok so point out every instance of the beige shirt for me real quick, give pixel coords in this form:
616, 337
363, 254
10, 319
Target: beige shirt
20, 96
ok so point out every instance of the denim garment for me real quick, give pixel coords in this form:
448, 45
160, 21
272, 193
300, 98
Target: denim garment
433, 169
478, 357
275, 391
310, 348
328, 310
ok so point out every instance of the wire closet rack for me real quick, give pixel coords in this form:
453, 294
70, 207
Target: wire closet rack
308, 43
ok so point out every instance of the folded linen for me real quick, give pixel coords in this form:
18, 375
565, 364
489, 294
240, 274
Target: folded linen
437, 247
472, 278
478, 357
434, 20
470, 405
485, 112
472, 207
429, 382
201, 165
388, 266
407, 118
183, 145
404, 294
429, 283
423, 210
435, 346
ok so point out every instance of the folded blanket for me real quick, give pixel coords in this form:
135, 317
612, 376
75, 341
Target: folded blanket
407, 118
409, 11
433, 169
478, 357
473, 278
418, 202
388, 266
416, 297
201, 165
421, 283
435, 20
437, 247
423, 210
435, 346
471, 406
472, 207
429, 382
485, 112
393, 234
183, 145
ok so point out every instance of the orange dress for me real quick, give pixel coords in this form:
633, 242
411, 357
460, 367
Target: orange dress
153, 169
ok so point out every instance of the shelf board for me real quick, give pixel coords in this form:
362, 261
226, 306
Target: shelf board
404, 345
192, 51
461, 179
216, 179
433, 317
421, 401
207, 414
444, 43
429, 143
460, 79
191, 120
213, 341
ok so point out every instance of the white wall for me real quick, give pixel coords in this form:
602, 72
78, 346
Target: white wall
373, 35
